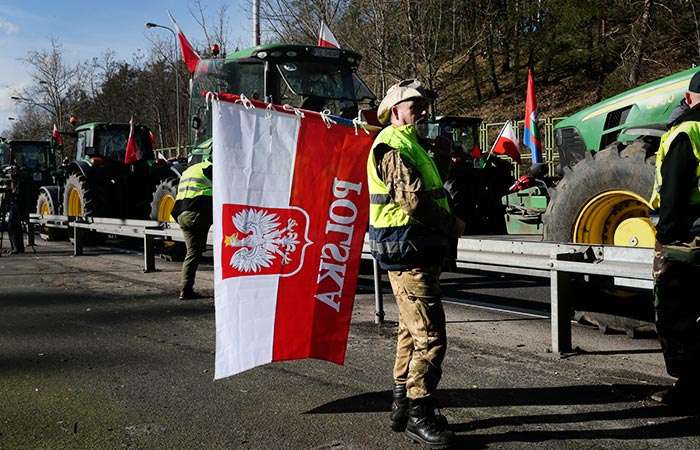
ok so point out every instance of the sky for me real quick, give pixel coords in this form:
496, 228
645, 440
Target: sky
87, 29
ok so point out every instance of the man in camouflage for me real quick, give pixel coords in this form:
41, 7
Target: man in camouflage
411, 226
676, 196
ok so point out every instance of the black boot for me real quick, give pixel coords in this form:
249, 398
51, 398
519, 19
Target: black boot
399, 408
683, 396
424, 427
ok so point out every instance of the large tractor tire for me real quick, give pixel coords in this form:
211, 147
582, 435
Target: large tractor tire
604, 199
161, 207
79, 200
164, 200
47, 205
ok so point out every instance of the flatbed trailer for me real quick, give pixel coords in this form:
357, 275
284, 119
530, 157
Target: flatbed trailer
627, 267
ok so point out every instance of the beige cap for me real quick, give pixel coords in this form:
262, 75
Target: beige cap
400, 92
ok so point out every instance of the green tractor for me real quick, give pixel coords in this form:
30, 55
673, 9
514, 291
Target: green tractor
302, 76
98, 183
607, 156
34, 164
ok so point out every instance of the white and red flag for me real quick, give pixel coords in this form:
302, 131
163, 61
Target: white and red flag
189, 55
326, 38
56, 135
507, 143
132, 150
290, 213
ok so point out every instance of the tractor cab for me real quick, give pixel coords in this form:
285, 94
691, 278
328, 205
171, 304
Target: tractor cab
33, 164
302, 76
107, 141
475, 183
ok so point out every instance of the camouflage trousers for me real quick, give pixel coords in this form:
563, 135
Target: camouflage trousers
677, 306
422, 339
195, 231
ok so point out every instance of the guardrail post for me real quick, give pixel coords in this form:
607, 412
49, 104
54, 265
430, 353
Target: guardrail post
149, 257
562, 295
378, 297
78, 234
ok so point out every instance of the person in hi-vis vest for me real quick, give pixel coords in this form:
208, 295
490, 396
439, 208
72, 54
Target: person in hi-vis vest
410, 230
676, 198
193, 212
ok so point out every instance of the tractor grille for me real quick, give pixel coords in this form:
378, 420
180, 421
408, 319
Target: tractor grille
569, 145
617, 117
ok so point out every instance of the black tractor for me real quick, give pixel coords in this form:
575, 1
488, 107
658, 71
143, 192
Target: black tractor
99, 183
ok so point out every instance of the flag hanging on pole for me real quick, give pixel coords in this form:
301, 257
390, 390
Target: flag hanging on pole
56, 135
507, 143
290, 213
132, 151
326, 37
531, 134
189, 55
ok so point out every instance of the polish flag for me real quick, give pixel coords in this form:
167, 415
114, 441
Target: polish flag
189, 55
56, 135
507, 143
132, 149
326, 38
290, 213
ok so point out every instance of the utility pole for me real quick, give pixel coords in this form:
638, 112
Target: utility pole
256, 22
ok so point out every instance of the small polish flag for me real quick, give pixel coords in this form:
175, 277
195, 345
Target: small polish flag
507, 143
56, 135
132, 150
189, 55
326, 38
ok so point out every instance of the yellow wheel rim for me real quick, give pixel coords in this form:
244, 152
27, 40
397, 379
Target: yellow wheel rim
44, 208
615, 218
165, 207
75, 207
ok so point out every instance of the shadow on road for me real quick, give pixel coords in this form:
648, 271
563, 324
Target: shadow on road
467, 398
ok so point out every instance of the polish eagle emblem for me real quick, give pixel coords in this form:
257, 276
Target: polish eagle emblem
263, 240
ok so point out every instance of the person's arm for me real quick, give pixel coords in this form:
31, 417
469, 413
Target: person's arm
406, 188
678, 172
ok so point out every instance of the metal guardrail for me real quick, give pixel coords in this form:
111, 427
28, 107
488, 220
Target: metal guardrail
629, 267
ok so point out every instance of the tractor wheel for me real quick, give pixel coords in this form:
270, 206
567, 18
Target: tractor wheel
78, 199
603, 199
46, 206
164, 200
161, 207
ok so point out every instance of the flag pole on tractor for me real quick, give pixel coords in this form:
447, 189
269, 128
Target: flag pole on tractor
326, 37
506, 143
531, 134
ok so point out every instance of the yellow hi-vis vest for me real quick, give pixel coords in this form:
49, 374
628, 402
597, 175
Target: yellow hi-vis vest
692, 129
194, 183
398, 241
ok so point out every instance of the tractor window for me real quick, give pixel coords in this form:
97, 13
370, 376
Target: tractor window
80, 144
111, 143
30, 156
322, 85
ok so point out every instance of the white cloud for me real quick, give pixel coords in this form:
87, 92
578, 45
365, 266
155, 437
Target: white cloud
8, 27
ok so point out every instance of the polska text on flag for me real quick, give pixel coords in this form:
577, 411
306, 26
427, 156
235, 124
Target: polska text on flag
326, 37
290, 212
531, 134
507, 143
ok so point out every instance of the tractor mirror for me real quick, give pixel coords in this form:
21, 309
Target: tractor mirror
196, 123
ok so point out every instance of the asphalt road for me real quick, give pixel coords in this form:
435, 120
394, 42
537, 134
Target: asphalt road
96, 354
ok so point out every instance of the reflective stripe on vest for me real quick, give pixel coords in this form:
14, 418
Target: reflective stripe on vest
194, 183
692, 129
395, 238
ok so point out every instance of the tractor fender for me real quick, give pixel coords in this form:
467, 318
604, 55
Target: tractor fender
80, 167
